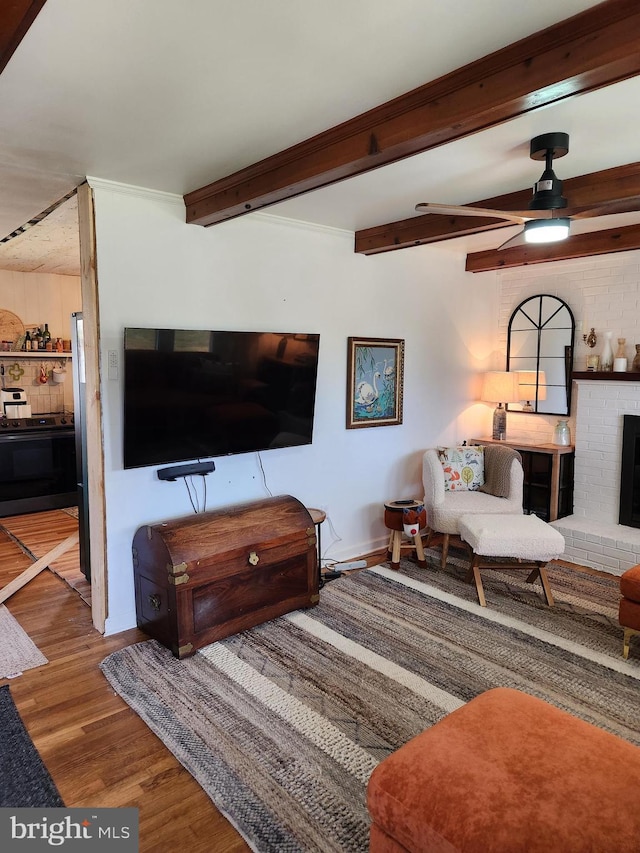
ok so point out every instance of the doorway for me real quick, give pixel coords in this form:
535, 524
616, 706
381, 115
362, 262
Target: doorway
66, 231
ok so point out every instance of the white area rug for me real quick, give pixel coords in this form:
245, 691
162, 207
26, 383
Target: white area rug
17, 651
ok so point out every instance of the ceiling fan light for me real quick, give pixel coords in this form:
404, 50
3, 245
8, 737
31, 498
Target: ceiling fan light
546, 230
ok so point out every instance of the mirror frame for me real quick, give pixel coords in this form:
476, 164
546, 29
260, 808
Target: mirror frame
534, 316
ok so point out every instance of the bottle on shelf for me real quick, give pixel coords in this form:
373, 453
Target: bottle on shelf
58, 346
36, 339
27, 341
46, 338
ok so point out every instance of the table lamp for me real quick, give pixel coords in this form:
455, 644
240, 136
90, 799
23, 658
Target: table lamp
527, 380
500, 386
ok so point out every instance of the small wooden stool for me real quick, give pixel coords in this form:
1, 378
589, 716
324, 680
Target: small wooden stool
408, 517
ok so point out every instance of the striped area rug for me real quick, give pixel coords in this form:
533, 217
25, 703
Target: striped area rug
283, 724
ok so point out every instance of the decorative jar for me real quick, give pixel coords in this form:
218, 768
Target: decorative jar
620, 360
562, 434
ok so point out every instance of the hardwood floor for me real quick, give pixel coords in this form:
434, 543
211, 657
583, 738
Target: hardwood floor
98, 751
42, 531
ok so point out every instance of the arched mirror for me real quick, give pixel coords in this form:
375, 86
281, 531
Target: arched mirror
540, 349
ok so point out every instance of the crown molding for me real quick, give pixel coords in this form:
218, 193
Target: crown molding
131, 190
301, 223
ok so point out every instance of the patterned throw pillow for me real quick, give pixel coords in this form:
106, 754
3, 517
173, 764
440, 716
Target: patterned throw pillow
463, 468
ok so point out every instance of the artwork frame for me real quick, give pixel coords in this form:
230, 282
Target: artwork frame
375, 382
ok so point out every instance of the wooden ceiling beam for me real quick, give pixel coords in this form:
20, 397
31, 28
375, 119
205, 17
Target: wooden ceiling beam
579, 246
614, 190
16, 16
595, 48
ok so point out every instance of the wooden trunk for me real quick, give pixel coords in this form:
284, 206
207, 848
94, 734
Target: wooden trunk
212, 574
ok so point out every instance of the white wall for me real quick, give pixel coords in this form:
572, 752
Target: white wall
264, 274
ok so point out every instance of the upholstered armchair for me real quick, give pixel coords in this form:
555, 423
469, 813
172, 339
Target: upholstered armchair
500, 493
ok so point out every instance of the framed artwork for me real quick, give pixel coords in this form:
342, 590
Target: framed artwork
375, 369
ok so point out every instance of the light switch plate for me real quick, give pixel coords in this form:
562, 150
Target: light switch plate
112, 364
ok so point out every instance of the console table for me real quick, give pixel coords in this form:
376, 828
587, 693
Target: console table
548, 477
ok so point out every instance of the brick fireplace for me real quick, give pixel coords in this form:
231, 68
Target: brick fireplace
592, 534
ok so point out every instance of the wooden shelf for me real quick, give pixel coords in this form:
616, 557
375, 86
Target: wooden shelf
18, 354
608, 376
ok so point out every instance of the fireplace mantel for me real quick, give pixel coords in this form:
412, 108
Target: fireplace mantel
608, 376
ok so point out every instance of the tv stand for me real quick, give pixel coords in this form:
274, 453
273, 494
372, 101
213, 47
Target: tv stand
175, 471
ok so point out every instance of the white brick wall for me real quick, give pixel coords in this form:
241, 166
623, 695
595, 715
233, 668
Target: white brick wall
604, 293
592, 534
600, 408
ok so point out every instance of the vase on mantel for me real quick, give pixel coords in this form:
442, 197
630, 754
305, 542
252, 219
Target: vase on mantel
606, 358
620, 359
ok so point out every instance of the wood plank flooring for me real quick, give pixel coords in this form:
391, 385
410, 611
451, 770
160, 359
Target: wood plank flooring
98, 751
41, 531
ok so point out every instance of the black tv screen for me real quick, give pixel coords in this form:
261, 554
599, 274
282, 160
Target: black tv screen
195, 394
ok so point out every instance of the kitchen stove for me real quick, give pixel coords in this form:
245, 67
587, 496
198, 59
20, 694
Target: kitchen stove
37, 463
37, 423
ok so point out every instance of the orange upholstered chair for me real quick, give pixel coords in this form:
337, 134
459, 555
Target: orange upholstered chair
629, 612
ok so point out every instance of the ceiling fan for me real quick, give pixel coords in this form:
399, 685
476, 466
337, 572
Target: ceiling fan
541, 221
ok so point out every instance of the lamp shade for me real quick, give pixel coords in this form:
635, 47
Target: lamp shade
500, 386
527, 385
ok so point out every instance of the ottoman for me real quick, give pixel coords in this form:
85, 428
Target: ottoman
629, 612
507, 773
519, 541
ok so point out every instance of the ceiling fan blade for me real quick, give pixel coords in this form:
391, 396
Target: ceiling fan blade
519, 216
512, 242
629, 205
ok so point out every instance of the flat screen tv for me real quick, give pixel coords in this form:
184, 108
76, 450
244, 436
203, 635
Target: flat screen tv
195, 394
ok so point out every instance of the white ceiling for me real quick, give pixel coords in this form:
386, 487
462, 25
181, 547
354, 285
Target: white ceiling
172, 96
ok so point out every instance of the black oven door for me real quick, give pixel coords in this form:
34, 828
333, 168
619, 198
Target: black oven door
37, 471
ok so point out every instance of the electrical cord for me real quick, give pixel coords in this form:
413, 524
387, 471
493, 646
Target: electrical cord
192, 497
264, 476
335, 538
192, 491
